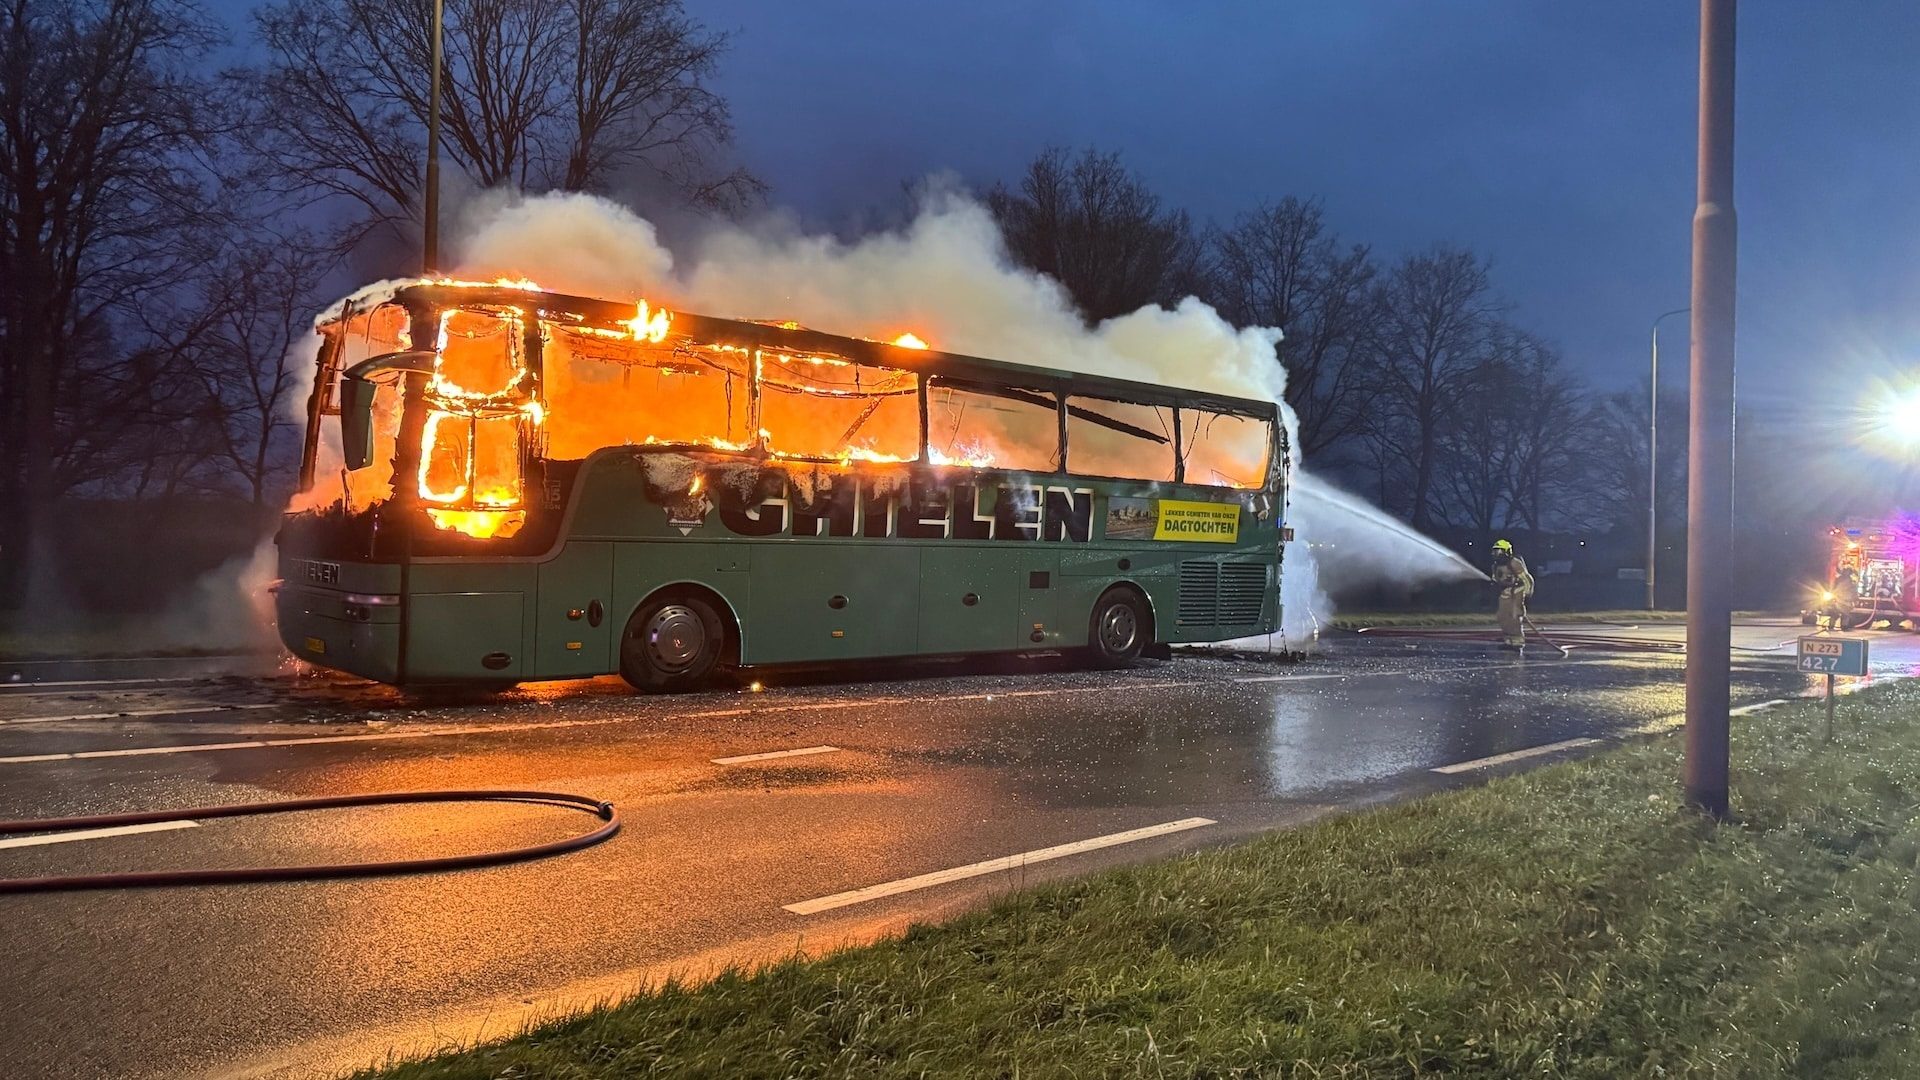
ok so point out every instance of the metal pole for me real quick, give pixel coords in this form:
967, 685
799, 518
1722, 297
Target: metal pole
1710, 441
430, 247
1653, 457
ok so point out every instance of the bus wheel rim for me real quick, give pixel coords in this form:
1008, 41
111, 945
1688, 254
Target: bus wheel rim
1118, 627
675, 637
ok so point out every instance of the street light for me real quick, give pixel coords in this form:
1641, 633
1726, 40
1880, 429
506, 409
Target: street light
430, 245
1653, 453
1710, 427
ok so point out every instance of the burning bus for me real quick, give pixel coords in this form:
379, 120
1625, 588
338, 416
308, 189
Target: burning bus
1873, 574
540, 486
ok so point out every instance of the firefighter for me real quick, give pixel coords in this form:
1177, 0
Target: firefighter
1846, 587
1515, 584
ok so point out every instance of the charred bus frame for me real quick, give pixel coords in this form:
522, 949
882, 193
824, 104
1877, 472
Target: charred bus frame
1154, 589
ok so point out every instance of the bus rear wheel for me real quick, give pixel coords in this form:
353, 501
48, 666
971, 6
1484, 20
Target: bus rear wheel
671, 644
1119, 628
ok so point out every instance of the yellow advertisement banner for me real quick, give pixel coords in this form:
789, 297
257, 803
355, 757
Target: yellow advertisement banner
1207, 522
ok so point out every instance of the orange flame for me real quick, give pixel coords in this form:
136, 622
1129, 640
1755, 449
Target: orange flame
910, 340
649, 327
976, 456
479, 524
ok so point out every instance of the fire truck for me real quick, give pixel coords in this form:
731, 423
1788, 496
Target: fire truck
1871, 574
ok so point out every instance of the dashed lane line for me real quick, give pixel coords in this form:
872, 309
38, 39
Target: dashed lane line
95, 834
992, 866
31, 689
254, 744
119, 713
805, 751
1517, 755
104, 660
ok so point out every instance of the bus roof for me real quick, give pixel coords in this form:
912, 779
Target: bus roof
953, 366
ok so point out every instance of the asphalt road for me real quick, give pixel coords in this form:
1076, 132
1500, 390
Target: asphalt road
922, 769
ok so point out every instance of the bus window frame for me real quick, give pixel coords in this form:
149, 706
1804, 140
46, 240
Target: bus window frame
1024, 391
425, 301
1172, 441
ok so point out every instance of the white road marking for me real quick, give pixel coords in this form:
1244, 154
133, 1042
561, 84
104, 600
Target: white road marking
992, 866
137, 659
1659, 725
118, 713
250, 744
804, 751
26, 689
1517, 755
95, 834
1435, 669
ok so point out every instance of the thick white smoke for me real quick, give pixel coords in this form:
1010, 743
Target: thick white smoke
946, 277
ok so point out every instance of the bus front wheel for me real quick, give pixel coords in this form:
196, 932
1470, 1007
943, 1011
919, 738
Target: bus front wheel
1119, 628
672, 643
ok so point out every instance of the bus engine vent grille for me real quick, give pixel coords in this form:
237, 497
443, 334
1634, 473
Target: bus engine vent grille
1222, 594
1199, 593
1243, 591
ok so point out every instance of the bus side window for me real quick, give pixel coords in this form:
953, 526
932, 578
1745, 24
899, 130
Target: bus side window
1119, 439
992, 427
609, 390
1223, 450
826, 407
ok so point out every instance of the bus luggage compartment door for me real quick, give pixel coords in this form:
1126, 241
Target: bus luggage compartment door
833, 600
573, 632
464, 636
969, 600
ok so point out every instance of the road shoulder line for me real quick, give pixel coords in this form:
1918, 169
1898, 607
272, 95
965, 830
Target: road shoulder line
992, 866
805, 751
95, 834
1516, 755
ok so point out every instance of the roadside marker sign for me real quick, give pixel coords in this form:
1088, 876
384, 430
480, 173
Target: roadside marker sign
1828, 655
1825, 654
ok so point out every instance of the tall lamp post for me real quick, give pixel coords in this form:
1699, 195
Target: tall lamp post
430, 210
1710, 413
1653, 454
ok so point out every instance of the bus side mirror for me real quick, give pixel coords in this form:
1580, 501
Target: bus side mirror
357, 387
356, 422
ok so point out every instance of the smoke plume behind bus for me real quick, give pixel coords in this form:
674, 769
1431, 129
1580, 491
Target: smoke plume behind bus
946, 278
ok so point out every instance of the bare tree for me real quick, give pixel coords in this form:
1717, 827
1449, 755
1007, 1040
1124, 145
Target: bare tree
1436, 319
257, 309
103, 127
1551, 444
1475, 450
1279, 266
538, 95
1618, 424
1095, 227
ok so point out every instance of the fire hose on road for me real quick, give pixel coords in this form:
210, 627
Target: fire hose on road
257, 874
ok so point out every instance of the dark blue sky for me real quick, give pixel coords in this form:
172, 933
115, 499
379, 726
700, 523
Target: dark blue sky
1555, 137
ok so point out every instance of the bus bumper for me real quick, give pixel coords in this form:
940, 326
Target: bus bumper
355, 633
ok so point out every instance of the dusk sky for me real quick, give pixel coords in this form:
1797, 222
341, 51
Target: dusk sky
1556, 138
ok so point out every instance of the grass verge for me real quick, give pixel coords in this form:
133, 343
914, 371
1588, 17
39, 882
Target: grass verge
1572, 921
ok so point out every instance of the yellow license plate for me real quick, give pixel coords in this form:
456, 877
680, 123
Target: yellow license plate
315, 645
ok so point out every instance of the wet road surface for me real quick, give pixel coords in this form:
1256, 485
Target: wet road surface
922, 792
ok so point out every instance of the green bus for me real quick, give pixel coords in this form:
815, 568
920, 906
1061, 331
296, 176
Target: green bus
528, 485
